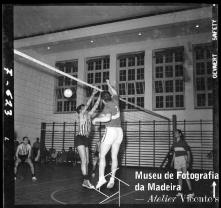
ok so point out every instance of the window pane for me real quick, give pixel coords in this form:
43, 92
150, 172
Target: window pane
179, 101
159, 101
75, 66
105, 76
90, 78
123, 62
158, 86
131, 100
90, 66
59, 106
208, 53
200, 68
209, 67
201, 100
179, 85
140, 74
98, 64
131, 61
131, 89
210, 83
199, 53
123, 75
106, 63
140, 87
98, 77
67, 81
159, 58
60, 81
210, 99
140, 101
169, 101
59, 93
168, 57
169, 71
179, 56
140, 60
66, 105
200, 83
179, 70
122, 89
68, 67
169, 86
131, 74
159, 72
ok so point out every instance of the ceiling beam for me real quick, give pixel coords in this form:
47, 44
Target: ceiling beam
158, 20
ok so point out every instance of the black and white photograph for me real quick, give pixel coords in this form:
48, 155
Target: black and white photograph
110, 105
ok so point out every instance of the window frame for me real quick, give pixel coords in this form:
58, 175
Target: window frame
205, 76
62, 87
105, 68
163, 64
135, 81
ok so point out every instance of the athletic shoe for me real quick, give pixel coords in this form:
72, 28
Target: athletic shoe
190, 195
34, 178
101, 182
93, 175
179, 194
87, 184
110, 183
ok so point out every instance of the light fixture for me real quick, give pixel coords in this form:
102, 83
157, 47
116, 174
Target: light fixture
139, 33
197, 26
91, 41
48, 47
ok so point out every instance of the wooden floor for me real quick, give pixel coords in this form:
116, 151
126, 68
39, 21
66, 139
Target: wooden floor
61, 184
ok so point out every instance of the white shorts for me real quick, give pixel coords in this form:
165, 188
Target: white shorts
179, 162
112, 135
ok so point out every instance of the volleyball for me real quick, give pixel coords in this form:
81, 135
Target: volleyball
68, 93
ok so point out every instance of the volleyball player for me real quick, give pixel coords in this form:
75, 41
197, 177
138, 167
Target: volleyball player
82, 139
113, 134
181, 159
23, 154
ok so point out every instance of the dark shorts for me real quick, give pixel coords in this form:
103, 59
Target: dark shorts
96, 154
23, 157
81, 140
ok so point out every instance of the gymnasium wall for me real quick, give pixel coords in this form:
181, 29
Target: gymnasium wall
35, 89
34, 94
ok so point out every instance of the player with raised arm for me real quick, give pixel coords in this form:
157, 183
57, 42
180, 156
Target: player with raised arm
113, 135
82, 139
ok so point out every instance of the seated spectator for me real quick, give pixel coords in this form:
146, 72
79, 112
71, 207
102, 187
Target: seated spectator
53, 156
63, 156
70, 155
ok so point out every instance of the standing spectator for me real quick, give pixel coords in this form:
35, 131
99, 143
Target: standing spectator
181, 159
36, 151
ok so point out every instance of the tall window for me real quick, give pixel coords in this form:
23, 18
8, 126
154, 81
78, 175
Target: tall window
131, 79
168, 78
97, 72
65, 105
202, 57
